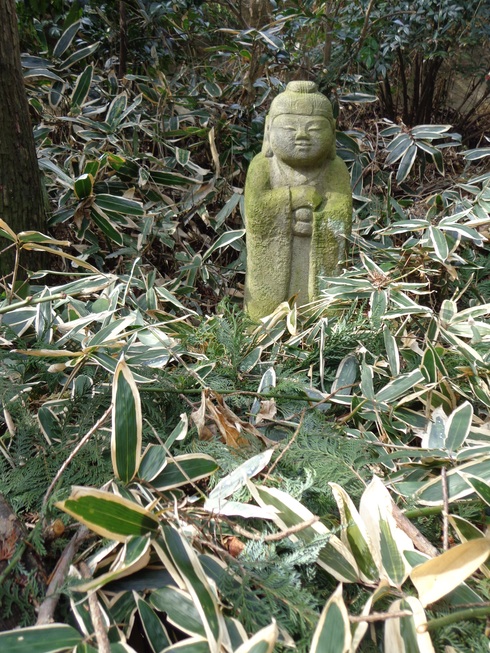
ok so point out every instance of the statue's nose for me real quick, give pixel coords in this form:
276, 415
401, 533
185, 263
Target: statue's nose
301, 134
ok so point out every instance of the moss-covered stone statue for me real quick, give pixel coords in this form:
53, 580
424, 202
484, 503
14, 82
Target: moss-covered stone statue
298, 202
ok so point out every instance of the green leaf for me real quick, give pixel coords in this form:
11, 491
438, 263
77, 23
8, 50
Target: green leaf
42, 72
428, 367
66, 39
391, 557
458, 426
84, 186
109, 515
187, 562
439, 243
127, 424
78, 56
116, 109
105, 225
367, 387
263, 641
223, 241
391, 351
400, 386
431, 494
354, 534
121, 205
152, 625
406, 164
334, 557
185, 469
82, 87
40, 639
180, 610
333, 634
179, 432
133, 557
153, 462
481, 487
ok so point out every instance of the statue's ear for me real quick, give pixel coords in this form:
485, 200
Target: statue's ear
266, 144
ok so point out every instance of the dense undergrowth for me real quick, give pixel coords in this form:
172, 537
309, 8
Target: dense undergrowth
245, 486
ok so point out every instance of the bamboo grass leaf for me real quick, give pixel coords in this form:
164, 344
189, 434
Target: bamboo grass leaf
127, 424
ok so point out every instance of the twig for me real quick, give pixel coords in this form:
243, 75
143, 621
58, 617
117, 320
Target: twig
445, 511
48, 606
72, 455
460, 615
103, 643
421, 542
378, 616
274, 537
32, 301
295, 435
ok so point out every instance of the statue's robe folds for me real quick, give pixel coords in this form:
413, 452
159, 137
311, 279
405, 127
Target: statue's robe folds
281, 263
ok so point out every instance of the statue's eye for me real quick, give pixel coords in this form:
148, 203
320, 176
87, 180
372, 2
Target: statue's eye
289, 128
314, 128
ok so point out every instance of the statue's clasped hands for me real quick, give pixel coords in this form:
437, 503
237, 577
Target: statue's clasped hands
304, 201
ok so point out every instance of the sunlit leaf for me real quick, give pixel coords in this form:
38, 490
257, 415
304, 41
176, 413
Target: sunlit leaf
332, 634
437, 577
107, 514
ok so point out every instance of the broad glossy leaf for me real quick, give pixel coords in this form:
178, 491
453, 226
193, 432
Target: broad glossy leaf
367, 387
109, 515
179, 432
190, 645
431, 494
152, 462
334, 557
66, 39
223, 241
392, 352
40, 639
458, 426
263, 641
82, 87
152, 625
332, 634
105, 224
406, 163
127, 424
180, 609
121, 205
399, 386
84, 186
78, 56
387, 539
134, 556
481, 487
354, 534
239, 476
407, 634
187, 468
197, 584
437, 577
439, 243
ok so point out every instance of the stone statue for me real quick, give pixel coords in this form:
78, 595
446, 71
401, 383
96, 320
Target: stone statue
298, 202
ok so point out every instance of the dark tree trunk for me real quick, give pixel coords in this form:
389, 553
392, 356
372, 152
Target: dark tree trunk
21, 195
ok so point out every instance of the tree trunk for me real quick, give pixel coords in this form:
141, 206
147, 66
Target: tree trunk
21, 195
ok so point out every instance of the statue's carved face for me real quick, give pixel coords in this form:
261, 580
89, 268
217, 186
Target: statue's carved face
301, 141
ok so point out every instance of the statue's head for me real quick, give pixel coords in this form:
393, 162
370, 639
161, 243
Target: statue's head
300, 127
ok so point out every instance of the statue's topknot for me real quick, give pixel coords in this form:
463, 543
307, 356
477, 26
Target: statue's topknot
301, 97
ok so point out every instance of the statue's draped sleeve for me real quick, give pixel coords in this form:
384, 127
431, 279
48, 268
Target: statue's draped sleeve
268, 225
331, 227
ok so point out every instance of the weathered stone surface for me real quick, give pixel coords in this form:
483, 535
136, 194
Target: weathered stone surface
298, 202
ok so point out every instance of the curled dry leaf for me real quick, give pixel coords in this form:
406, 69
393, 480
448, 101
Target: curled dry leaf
214, 416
